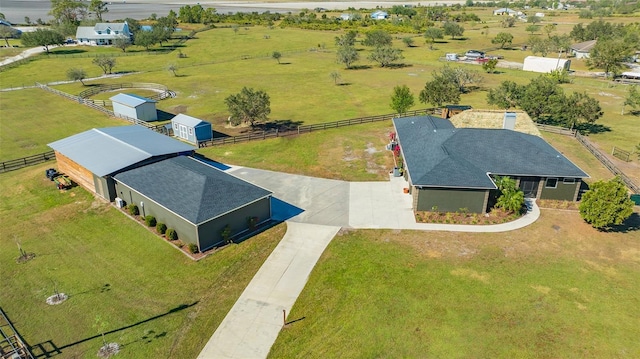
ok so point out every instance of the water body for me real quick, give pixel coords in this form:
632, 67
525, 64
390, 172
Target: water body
16, 10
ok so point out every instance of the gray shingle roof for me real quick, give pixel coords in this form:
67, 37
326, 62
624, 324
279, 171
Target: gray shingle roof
437, 154
584, 46
107, 150
193, 190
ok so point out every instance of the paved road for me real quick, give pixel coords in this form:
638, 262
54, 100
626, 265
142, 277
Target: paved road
321, 208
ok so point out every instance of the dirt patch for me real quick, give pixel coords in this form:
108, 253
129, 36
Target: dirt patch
476, 118
179, 109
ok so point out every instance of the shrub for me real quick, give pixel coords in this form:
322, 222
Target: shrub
133, 210
161, 228
193, 248
150, 221
172, 235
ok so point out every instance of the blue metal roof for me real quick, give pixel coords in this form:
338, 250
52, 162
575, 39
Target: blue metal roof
107, 150
130, 100
188, 120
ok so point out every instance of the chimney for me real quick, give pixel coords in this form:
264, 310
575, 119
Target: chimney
509, 122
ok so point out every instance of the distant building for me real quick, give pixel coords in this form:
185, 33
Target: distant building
379, 15
583, 49
103, 33
134, 106
505, 11
545, 64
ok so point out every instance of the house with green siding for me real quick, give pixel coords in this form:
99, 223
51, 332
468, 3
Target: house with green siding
451, 169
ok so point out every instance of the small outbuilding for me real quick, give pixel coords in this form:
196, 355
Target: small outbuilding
195, 199
134, 106
545, 64
379, 15
93, 157
583, 49
505, 11
191, 129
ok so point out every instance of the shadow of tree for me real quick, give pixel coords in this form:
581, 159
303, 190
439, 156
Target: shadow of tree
587, 128
280, 125
631, 224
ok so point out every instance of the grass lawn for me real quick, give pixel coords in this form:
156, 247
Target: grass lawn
555, 289
29, 119
156, 301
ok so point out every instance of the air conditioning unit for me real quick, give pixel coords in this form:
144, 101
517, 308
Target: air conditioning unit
119, 202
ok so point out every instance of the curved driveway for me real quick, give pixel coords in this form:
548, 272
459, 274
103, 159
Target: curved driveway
323, 207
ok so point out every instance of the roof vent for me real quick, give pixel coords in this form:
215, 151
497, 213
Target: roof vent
509, 122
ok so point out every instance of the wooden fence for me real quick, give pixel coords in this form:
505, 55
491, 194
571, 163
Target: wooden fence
601, 156
310, 128
16, 164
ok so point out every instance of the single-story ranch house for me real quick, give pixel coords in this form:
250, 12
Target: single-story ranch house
135, 165
450, 168
195, 199
134, 106
103, 33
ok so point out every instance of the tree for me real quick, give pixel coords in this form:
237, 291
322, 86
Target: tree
347, 55
533, 20
385, 55
145, 39
532, 28
460, 77
335, 75
98, 8
248, 106
506, 95
490, 66
540, 96
276, 55
606, 204
540, 46
235, 28
105, 63
164, 28
453, 29
549, 28
502, 38
173, 68
511, 197
42, 37
609, 55
433, 33
77, 74
402, 99
509, 21
408, 41
122, 42
27, 20
377, 38
437, 92
579, 107
68, 11
7, 32
632, 99
348, 39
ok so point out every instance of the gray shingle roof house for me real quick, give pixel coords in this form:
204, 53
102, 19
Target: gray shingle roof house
452, 168
103, 33
134, 106
191, 129
90, 158
196, 199
582, 50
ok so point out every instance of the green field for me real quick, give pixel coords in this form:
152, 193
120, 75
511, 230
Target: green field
555, 289
155, 300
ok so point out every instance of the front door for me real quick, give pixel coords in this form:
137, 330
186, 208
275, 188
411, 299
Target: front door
529, 185
183, 132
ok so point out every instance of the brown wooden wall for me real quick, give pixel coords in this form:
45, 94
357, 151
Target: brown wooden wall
77, 173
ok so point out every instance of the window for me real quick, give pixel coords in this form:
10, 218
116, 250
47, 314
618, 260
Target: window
568, 180
190, 131
551, 183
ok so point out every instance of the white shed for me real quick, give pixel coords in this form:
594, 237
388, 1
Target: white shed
191, 129
545, 64
134, 106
